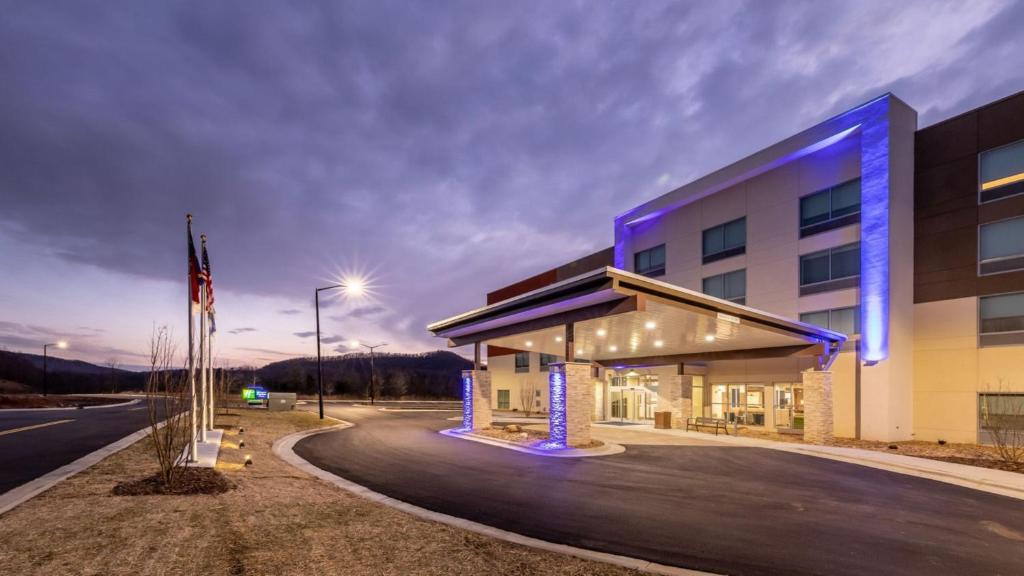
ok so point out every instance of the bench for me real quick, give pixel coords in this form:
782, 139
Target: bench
702, 422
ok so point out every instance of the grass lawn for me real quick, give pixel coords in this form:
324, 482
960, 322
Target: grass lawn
276, 521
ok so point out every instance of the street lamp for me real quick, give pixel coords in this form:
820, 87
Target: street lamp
372, 348
353, 287
59, 344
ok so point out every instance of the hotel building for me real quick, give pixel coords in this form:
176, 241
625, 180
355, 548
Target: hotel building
863, 278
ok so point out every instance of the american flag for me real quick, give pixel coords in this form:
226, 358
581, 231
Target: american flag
208, 276
194, 272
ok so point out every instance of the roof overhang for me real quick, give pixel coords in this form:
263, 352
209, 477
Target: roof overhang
623, 319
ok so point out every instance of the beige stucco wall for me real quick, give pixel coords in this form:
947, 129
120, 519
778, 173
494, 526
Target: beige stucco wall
950, 370
504, 377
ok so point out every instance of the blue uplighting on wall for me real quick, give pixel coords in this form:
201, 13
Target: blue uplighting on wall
467, 402
557, 435
874, 233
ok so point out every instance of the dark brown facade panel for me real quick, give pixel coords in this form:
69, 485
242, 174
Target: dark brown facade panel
598, 259
944, 291
522, 287
945, 222
967, 273
1001, 209
1001, 283
947, 141
1001, 123
495, 351
954, 249
950, 186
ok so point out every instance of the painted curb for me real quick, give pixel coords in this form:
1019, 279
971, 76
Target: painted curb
128, 403
608, 449
16, 496
284, 449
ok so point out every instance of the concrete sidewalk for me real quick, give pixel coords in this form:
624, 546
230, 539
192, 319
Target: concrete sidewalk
986, 479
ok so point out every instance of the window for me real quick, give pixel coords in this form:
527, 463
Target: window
1000, 414
845, 320
1001, 320
504, 400
731, 286
832, 269
546, 359
650, 262
1001, 246
830, 208
522, 361
725, 240
1001, 172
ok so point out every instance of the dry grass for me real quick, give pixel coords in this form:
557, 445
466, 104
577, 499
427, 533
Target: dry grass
277, 521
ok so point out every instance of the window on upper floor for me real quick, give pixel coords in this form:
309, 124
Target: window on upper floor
725, 240
1001, 172
832, 269
830, 208
1001, 320
1001, 246
650, 262
522, 361
845, 320
731, 286
545, 360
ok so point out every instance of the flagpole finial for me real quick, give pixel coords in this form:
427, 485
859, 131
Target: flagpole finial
203, 238
189, 217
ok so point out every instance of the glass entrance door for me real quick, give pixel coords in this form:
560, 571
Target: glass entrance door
633, 397
789, 405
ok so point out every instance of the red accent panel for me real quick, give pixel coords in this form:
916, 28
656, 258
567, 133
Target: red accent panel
523, 286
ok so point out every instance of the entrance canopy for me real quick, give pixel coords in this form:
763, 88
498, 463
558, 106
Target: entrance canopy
619, 319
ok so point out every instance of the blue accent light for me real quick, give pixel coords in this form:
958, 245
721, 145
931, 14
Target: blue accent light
557, 435
874, 233
467, 403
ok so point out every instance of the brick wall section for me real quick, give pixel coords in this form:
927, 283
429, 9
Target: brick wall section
675, 395
818, 427
481, 397
579, 402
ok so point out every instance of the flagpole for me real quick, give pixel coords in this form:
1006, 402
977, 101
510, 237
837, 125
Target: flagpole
192, 447
202, 354
212, 397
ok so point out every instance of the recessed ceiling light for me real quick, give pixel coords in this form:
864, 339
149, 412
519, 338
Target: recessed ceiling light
529, 343
558, 338
650, 325
602, 332
613, 348
580, 351
658, 343
709, 338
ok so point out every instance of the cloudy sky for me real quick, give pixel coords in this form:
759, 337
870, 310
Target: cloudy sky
442, 149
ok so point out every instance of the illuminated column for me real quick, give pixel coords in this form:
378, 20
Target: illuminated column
476, 399
817, 406
572, 403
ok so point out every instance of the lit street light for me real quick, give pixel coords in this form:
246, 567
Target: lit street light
59, 344
352, 287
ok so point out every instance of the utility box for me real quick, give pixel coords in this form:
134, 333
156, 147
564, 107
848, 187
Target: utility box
662, 419
281, 401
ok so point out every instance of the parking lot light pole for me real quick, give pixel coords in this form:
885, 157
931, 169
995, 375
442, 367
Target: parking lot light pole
351, 287
60, 344
372, 348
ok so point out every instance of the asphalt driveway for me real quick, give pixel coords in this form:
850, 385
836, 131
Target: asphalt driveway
725, 509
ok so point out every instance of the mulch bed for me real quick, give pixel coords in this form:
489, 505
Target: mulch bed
187, 481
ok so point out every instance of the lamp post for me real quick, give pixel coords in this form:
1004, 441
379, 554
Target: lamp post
59, 344
371, 349
353, 287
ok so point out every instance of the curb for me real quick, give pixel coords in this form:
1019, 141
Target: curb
128, 403
608, 449
284, 449
16, 496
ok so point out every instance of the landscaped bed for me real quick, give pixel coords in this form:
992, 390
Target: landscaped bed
970, 454
275, 521
526, 436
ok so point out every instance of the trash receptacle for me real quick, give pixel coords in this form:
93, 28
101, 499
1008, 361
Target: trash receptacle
281, 401
662, 419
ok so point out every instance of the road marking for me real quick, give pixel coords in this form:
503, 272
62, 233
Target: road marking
34, 426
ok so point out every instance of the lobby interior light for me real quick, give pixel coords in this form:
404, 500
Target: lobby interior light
579, 351
558, 338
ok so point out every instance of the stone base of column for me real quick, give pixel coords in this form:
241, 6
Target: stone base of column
675, 395
572, 403
476, 399
818, 425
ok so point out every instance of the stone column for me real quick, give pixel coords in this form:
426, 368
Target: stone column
476, 399
572, 403
818, 427
675, 395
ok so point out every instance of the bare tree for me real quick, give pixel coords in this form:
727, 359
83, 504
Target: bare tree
166, 391
1002, 416
527, 395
